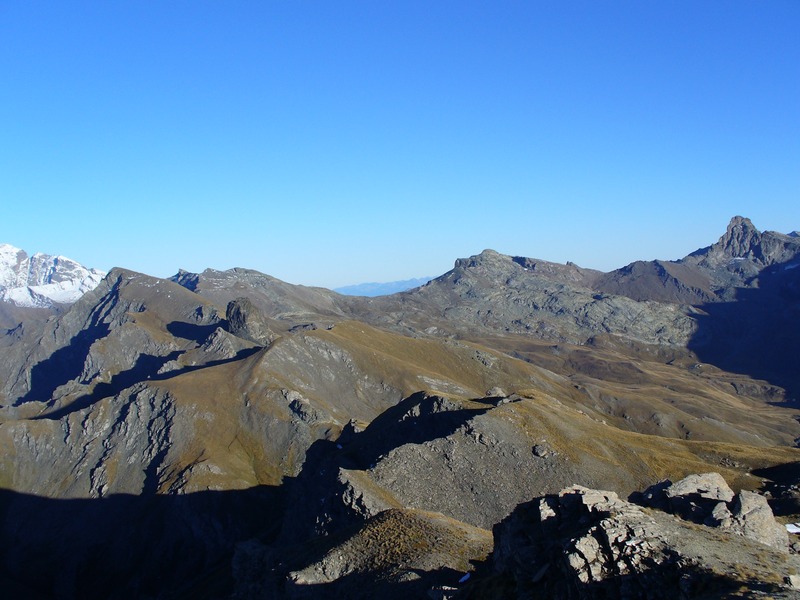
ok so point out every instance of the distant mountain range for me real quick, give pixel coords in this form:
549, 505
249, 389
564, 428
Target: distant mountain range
42, 280
225, 434
382, 289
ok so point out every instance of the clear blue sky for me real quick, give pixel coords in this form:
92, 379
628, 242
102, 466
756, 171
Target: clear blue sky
330, 143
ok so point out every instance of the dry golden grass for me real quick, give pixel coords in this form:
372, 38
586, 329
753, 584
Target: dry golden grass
214, 403
640, 459
592, 422
395, 540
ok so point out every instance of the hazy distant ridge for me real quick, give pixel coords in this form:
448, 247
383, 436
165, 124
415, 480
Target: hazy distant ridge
382, 289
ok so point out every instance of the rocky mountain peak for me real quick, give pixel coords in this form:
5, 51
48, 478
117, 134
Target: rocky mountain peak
742, 252
42, 280
741, 239
206, 457
487, 258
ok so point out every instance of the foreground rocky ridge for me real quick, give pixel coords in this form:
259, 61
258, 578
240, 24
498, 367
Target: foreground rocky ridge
258, 431
584, 543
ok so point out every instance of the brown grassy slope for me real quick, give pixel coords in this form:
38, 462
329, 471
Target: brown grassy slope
239, 427
670, 396
242, 424
602, 454
239, 411
397, 553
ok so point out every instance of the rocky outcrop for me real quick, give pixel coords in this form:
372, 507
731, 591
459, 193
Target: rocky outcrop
584, 543
707, 499
741, 239
708, 486
739, 256
751, 516
693, 497
246, 321
580, 537
710, 274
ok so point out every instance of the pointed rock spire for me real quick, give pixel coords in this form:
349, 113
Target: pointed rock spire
742, 239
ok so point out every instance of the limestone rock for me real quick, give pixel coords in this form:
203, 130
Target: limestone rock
584, 543
246, 321
707, 486
695, 497
707, 498
752, 517
583, 539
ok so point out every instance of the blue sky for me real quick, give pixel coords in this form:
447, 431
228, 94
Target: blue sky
330, 143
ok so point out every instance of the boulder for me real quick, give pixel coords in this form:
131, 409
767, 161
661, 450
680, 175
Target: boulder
752, 517
707, 486
694, 497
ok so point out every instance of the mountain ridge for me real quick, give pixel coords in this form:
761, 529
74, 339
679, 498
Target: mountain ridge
42, 280
381, 289
273, 440
22, 277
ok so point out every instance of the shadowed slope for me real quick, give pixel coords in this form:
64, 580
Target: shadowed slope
126, 546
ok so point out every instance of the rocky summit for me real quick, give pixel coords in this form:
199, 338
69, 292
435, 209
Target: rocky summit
38, 285
514, 428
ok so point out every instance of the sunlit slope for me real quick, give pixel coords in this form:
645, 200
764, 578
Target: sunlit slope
250, 420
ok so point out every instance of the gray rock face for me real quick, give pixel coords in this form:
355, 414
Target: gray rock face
585, 543
708, 499
582, 537
710, 274
246, 321
741, 253
708, 486
742, 239
494, 292
752, 517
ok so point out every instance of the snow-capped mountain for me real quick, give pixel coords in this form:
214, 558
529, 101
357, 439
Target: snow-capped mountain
42, 280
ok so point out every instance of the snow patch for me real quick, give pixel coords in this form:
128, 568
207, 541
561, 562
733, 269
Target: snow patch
43, 280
